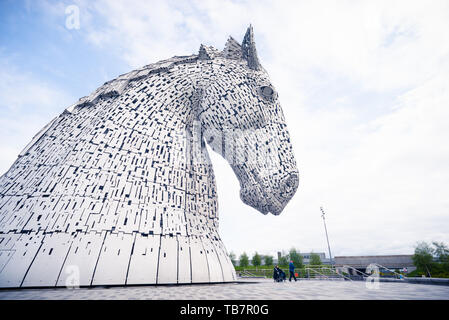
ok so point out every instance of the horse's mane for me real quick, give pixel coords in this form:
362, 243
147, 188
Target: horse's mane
116, 86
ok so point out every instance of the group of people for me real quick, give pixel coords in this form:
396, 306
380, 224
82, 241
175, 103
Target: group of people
279, 274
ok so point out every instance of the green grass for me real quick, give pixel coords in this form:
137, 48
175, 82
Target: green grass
267, 271
420, 273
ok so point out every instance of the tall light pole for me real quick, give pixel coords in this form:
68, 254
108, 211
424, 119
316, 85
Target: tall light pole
327, 238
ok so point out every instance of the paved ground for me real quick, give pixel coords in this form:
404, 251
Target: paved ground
262, 289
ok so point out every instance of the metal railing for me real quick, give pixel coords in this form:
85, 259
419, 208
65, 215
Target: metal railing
401, 276
357, 271
315, 271
365, 275
318, 272
247, 274
331, 273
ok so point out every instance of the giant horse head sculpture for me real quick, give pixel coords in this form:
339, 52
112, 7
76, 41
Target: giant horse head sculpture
119, 188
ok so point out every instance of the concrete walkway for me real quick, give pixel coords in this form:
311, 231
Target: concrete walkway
247, 289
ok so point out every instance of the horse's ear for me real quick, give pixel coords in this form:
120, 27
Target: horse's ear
232, 49
206, 53
249, 52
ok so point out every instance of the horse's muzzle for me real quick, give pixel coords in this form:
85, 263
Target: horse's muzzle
285, 191
276, 199
288, 187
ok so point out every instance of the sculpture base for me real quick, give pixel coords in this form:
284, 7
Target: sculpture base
109, 258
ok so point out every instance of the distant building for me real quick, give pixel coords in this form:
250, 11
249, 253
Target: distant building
307, 256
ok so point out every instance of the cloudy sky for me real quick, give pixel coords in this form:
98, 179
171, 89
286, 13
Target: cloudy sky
364, 86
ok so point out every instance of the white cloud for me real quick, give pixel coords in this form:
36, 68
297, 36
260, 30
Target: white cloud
26, 104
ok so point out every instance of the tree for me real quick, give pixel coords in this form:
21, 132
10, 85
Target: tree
244, 260
296, 258
315, 259
232, 257
423, 257
256, 260
440, 265
268, 260
283, 260
431, 259
441, 252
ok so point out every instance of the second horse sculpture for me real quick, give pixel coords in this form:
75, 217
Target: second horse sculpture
119, 188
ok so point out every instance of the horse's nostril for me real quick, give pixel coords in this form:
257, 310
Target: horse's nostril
290, 181
289, 185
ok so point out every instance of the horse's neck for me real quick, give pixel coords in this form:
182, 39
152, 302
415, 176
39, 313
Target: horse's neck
178, 163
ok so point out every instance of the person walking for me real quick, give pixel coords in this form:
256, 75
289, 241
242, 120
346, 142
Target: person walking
291, 268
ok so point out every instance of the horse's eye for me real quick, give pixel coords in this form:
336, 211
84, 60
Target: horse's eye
267, 91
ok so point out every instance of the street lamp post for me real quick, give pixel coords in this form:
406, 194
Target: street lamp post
327, 238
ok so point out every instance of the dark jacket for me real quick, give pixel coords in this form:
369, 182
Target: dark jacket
291, 267
278, 274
